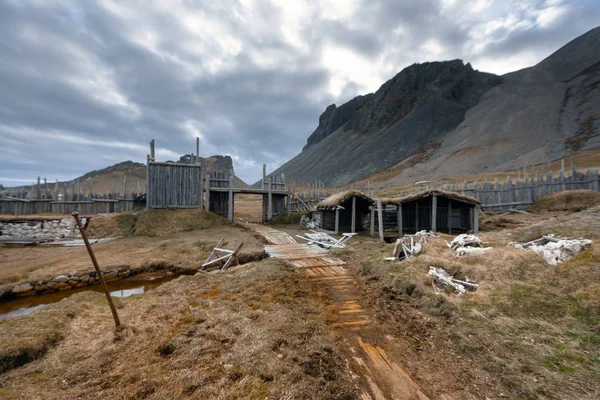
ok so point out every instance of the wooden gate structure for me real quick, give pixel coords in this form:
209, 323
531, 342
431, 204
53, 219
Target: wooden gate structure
179, 185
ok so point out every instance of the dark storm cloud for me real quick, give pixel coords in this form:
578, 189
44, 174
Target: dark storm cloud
88, 84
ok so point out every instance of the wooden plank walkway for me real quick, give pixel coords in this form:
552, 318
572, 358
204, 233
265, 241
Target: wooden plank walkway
285, 247
380, 377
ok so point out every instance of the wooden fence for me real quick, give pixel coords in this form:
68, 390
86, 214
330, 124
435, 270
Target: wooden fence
173, 185
49, 206
499, 196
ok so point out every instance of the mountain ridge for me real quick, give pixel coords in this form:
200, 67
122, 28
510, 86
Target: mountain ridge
444, 118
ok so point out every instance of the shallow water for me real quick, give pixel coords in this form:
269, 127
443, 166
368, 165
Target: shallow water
25, 305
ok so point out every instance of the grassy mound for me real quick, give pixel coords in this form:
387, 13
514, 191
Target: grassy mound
152, 222
571, 200
167, 222
110, 225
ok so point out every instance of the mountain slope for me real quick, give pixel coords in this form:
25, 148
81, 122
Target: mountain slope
442, 119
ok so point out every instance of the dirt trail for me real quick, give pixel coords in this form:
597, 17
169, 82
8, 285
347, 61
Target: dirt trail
378, 376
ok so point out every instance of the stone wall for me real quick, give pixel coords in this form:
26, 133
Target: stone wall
50, 229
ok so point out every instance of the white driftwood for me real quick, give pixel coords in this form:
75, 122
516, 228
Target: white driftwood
465, 245
324, 240
224, 257
554, 250
441, 276
407, 246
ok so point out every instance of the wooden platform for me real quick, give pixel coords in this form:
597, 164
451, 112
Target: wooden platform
300, 255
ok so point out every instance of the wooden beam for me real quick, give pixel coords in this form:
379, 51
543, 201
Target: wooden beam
148, 185
380, 217
353, 228
449, 216
399, 220
152, 150
270, 200
337, 221
197, 150
434, 213
475, 220
230, 199
207, 185
372, 225
417, 216
264, 179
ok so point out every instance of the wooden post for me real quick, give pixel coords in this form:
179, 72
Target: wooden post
475, 220
152, 150
449, 216
416, 216
289, 202
270, 200
434, 213
399, 221
353, 230
197, 150
337, 220
207, 185
372, 225
264, 179
380, 217
230, 202
99, 274
114, 196
125, 181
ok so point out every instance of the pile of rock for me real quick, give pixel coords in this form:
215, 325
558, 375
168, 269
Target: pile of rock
51, 229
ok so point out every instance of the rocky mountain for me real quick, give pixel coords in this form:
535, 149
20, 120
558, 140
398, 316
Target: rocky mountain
445, 118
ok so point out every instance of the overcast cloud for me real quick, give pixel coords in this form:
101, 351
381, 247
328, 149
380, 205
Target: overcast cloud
84, 84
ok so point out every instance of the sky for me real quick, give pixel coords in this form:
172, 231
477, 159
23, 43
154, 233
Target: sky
87, 84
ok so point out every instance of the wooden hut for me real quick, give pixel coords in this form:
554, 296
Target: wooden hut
344, 211
435, 210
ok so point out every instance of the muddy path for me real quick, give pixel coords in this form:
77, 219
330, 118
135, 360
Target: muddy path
376, 374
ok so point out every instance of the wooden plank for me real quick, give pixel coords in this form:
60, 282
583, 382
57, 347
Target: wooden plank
399, 220
380, 217
353, 228
434, 213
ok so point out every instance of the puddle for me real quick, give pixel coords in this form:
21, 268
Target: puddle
125, 288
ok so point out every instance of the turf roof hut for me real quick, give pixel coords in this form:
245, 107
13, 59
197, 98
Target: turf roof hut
344, 211
436, 210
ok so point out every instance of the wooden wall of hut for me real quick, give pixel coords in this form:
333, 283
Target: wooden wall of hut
416, 216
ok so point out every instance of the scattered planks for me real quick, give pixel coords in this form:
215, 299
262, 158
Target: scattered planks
223, 257
324, 240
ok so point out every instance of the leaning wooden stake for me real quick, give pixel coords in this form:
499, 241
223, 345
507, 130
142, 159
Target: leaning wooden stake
97, 268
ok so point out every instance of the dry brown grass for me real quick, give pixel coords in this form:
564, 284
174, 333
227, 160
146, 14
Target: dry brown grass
530, 331
571, 200
186, 250
203, 336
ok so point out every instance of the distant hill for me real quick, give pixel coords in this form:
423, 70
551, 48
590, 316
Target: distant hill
441, 119
131, 174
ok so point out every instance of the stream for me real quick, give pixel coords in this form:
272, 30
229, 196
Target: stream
137, 285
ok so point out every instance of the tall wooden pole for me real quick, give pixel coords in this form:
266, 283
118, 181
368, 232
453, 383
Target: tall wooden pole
230, 200
113, 309
380, 220
197, 150
270, 200
353, 228
434, 213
